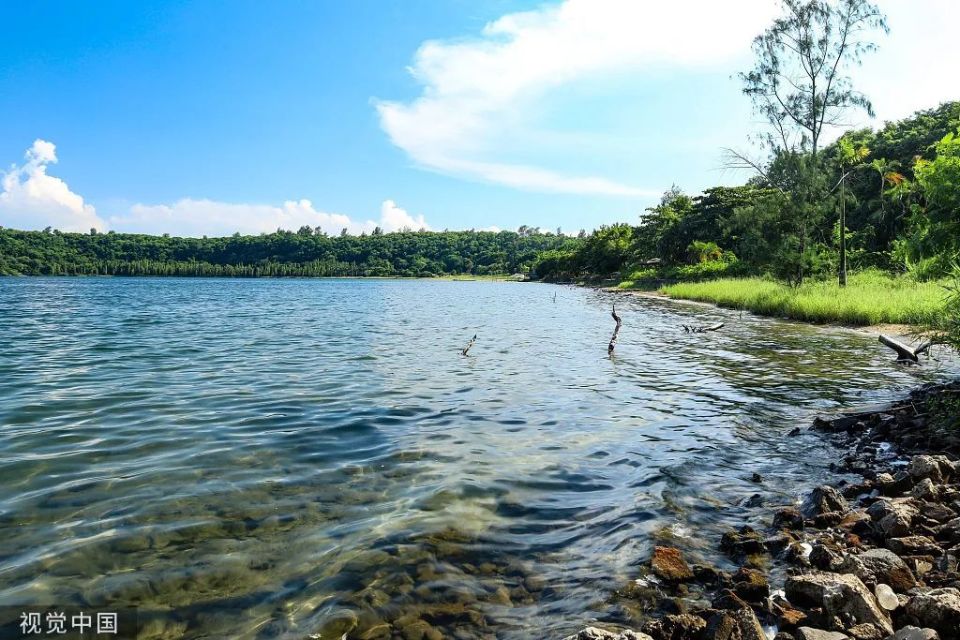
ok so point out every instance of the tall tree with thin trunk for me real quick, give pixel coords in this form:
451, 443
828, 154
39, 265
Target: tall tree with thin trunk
799, 83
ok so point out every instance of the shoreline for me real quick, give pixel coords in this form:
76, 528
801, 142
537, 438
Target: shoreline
874, 559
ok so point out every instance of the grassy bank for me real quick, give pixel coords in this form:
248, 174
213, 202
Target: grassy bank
869, 298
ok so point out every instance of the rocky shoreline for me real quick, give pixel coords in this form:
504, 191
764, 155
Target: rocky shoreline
875, 559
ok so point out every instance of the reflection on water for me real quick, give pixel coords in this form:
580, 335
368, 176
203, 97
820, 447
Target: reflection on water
279, 458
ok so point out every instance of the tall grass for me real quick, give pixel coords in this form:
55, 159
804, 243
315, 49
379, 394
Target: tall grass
869, 298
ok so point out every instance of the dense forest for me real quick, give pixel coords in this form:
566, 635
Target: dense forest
899, 189
283, 253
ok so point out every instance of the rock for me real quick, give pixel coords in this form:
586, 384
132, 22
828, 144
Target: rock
678, 627
729, 600
828, 558
886, 598
751, 585
722, 626
925, 490
418, 630
913, 546
756, 477
788, 518
799, 553
534, 584
744, 542
749, 626
668, 564
881, 565
921, 467
886, 483
865, 632
938, 609
915, 633
595, 633
806, 633
824, 499
708, 575
838, 595
894, 517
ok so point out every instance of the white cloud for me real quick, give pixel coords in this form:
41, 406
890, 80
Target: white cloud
913, 66
481, 96
190, 217
393, 218
31, 199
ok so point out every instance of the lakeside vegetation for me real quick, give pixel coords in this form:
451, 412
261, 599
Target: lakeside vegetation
870, 298
863, 230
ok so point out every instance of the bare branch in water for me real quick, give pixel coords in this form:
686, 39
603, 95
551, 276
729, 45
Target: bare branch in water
616, 331
692, 328
464, 351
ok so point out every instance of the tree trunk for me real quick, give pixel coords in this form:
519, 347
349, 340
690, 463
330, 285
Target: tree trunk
843, 234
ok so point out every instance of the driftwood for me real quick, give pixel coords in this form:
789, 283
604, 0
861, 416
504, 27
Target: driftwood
464, 351
701, 329
905, 353
616, 331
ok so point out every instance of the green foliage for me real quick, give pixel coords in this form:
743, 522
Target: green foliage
283, 253
930, 243
607, 249
799, 82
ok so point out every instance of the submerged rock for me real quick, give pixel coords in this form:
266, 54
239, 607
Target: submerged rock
751, 585
744, 542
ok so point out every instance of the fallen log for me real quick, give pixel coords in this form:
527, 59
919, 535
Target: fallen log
702, 329
616, 331
464, 351
905, 353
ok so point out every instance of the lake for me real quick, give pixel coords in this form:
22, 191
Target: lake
281, 458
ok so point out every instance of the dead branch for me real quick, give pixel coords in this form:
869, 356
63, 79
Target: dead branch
464, 351
701, 329
616, 331
905, 353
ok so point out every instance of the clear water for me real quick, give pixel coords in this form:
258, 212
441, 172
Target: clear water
281, 458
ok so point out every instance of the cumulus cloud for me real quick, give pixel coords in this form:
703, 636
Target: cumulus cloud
481, 95
190, 217
393, 218
32, 199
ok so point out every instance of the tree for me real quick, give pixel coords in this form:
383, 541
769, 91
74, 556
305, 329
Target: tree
799, 82
849, 157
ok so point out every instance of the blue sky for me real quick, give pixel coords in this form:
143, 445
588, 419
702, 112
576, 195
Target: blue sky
208, 117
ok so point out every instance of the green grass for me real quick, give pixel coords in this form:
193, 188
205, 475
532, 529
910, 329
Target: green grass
869, 298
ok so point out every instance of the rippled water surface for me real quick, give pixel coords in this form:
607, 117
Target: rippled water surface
281, 458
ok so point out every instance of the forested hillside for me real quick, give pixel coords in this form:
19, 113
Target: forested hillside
284, 253
898, 187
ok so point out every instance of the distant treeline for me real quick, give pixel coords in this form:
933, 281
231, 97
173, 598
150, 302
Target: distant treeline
283, 253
